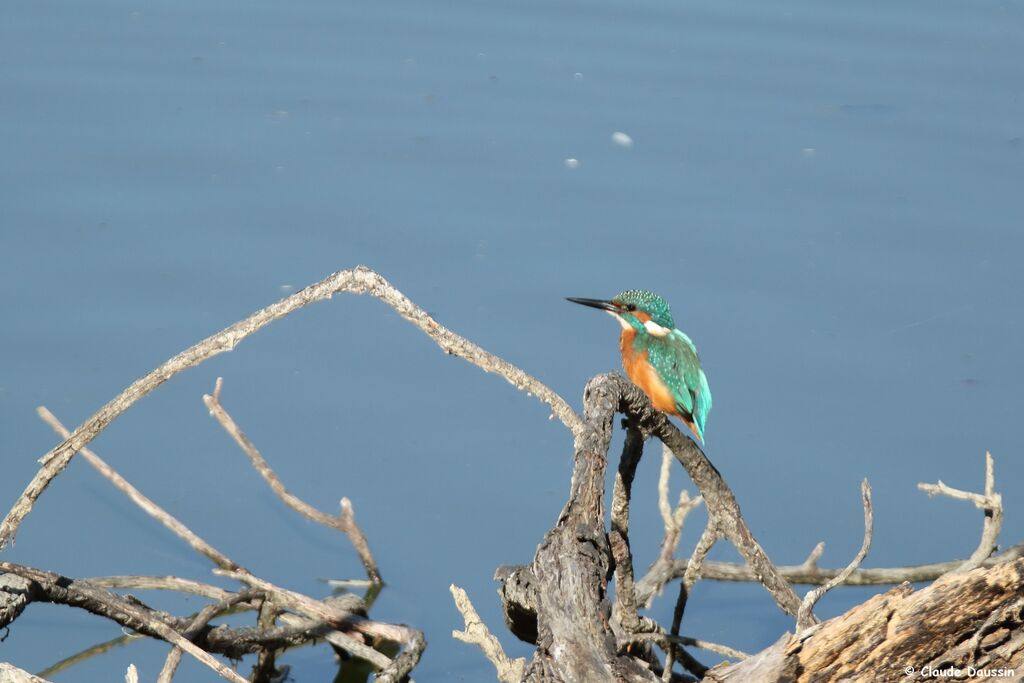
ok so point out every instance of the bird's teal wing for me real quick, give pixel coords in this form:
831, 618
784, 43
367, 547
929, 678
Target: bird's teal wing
686, 378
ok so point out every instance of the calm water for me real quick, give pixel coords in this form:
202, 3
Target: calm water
829, 194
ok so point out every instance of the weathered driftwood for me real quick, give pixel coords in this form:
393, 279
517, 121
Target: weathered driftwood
963, 626
559, 602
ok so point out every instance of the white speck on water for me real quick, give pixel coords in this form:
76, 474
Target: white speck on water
286, 288
572, 163
808, 152
577, 76
622, 139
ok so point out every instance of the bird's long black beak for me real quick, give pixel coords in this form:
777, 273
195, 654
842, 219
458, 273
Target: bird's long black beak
603, 304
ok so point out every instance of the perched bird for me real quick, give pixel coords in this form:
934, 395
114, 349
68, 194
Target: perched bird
659, 359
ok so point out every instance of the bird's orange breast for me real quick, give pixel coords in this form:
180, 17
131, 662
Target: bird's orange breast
644, 375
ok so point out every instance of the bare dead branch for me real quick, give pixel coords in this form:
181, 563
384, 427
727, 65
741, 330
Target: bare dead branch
266, 661
345, 523
805, 617
876, 576
663, 640
128, 613
723, 510
359, 280
137, 497
162, 583
477, 633
811, 563
233, 643
991, 503
932, 627
199, 622
225, 563
320, 611
624, 610
659, 573
700, 552
12, 674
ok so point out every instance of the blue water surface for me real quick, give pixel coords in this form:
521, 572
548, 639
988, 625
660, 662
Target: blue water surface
829, 194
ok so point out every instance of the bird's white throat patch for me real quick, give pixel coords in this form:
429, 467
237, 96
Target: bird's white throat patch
655, 329
621, 320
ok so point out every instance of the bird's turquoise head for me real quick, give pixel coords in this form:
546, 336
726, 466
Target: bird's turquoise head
637, 308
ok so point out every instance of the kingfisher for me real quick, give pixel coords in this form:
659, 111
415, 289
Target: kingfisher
659, 358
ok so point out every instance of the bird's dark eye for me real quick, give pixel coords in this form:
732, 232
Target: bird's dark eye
630, 307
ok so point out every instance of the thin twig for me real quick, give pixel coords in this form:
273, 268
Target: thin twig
345, 523
232, 643
130, 613
359, 280
266, 664
663, 639
811, 563
722, 508
315, 609
700, 552
876, 576
991, 503
198, 623
225, 563
805, 617
161, 583
151, 508
477, 633
659, 573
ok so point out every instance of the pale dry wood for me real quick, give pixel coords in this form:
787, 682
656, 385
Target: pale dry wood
345, 523
948, 623
316, 610
127, 612
564, 587
359, 280
706, 541
811, 563
559, 601
802, 574
990, 503
163, 583
49, 587
476, 633
12, 674
225, 563
132, 675
198, 623
663, 639
140, 499
805, 617
724, 516
659, 573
